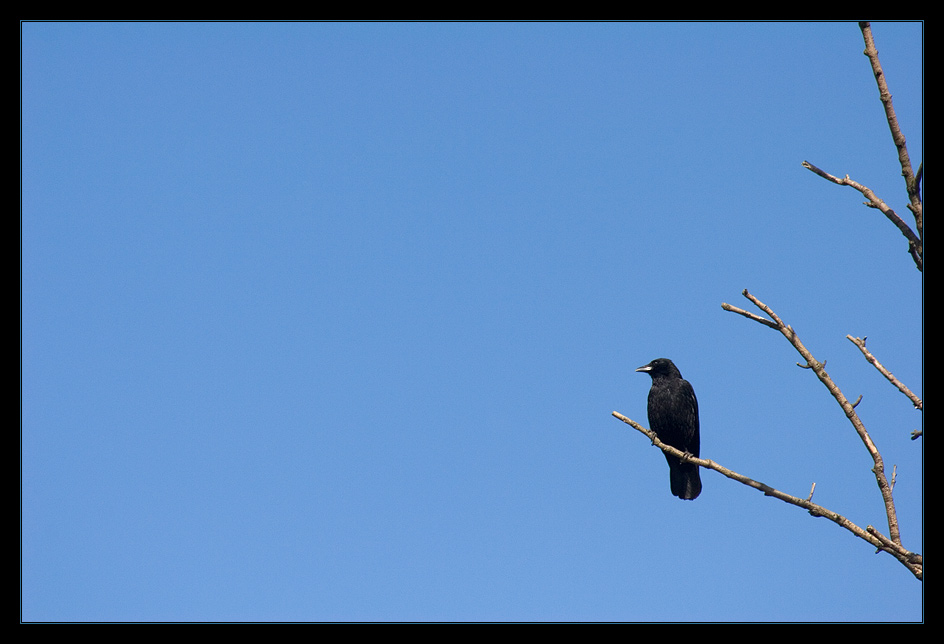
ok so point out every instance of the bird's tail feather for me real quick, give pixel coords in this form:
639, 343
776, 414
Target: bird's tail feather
685, 480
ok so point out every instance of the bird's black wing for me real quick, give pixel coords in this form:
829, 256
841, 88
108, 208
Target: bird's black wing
673, 416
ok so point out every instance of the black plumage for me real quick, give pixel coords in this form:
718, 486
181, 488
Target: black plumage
673, 416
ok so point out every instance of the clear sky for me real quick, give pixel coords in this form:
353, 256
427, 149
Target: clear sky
326, 321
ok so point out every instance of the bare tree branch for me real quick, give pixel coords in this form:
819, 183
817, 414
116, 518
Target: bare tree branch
912, 184
860, 342
749, 315
847, 407
910, 560
915, 246
912, 181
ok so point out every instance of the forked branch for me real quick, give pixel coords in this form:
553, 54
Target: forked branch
912, 181
848, 408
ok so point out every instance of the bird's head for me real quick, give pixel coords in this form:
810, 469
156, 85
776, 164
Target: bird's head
660, 367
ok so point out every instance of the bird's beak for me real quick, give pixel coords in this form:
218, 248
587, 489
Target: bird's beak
645, 367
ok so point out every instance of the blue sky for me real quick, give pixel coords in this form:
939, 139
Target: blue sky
326, 321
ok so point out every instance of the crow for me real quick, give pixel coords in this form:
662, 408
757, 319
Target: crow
673, 416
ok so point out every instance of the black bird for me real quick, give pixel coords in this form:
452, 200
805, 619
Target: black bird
673, 416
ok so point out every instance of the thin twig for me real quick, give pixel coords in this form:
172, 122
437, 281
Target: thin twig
749, 315
915, 246
872, 536
860, 342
